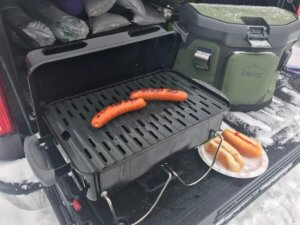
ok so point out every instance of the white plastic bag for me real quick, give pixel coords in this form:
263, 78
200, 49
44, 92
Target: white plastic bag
97, 7
39, 32
135, 6
152, 16
107, 22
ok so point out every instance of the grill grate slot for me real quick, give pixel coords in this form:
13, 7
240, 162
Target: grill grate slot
201, 96
87, 153
109, 135
180, 121
89, 101
141, 123
123, 138
58, 111
153, 125
168, 128
121, 149
206, 111
116, 91
86, 109
106, 145
194, 103
192, 115
103, 96
65, 121
92, 142
179, 113
74, 106
132, 132
206, 105
101, 104
82, 116
126, 129
70, 114
103, 157
219, 107
154, 117
170, 121
153, 134
138, 142
138, 130
168, 112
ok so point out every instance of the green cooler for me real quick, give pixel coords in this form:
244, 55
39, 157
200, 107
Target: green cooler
237, 49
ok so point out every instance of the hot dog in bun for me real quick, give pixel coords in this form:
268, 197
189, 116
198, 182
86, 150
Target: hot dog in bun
228, 156
245, 145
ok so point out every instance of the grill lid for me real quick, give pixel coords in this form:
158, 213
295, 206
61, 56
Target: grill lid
59, 72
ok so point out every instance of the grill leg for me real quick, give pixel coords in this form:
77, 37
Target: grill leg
113, 212
217, 134
111, 207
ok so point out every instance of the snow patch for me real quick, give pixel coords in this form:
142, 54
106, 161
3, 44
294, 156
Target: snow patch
279, 205
33, 209
17, 171
279, 122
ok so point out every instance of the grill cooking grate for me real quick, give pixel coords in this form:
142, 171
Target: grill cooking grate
130, 133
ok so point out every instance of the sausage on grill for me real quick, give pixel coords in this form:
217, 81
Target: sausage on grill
112, 111
163, 94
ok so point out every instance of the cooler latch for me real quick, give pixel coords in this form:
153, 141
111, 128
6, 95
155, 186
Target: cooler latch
257, 36
202, 58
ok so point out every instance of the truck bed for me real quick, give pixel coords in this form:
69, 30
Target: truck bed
216, 200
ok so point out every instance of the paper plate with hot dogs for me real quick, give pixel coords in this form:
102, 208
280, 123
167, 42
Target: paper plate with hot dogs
239, 156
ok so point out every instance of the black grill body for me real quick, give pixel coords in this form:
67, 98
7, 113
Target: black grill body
131, 144
127, 147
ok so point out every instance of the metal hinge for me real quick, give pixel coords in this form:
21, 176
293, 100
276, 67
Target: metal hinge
202, 58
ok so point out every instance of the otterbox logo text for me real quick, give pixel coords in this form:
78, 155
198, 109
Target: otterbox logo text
253, 71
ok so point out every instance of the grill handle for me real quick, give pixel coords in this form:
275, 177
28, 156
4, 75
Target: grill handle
82, 47
113, 212
217, 134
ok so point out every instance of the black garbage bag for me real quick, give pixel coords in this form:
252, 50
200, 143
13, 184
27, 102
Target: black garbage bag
65, 27
33, 32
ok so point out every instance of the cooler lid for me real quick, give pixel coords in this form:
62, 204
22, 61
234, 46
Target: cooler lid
239, 26
234, 13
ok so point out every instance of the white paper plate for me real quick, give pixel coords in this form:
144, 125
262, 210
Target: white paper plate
253, 167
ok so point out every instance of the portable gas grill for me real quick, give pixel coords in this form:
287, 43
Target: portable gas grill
71, 84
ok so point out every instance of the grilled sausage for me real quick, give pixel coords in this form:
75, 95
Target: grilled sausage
163, 94
112, 111
245, 145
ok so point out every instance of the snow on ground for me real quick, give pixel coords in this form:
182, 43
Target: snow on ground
277, 206
278, 122
41, 213
295, 58
9, 174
